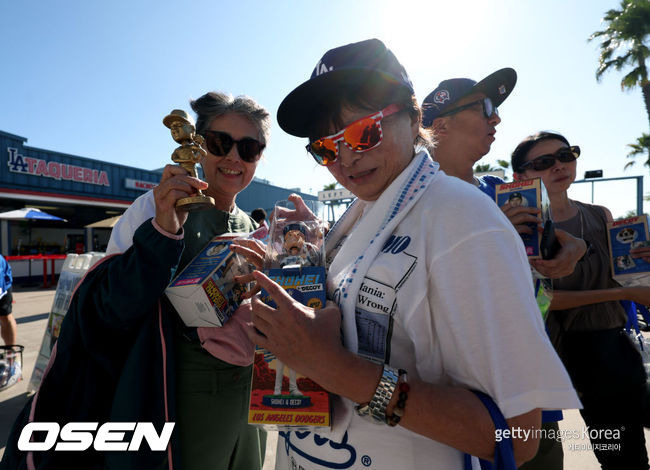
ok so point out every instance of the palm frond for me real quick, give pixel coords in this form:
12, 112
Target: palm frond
632, 79
639, 148
623, 41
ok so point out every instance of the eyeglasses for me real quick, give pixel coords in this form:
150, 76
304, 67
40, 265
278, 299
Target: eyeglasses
488, 108
220, 143
362, 135
544, 162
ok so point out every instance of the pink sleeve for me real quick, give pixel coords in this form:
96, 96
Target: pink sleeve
166, 233
229, 343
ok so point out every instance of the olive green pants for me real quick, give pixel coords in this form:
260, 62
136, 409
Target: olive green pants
212, 412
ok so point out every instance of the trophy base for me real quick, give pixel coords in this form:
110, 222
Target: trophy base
194, 203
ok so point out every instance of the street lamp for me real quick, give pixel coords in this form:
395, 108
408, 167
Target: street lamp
593, 174
590, 175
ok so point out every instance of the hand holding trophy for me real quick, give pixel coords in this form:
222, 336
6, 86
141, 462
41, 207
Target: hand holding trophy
187, 155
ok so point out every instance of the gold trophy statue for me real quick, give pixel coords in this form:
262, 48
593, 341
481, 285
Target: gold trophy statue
187, 155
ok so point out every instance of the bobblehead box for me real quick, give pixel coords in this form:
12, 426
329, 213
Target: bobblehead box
624, 235
281, 398
524, 193
205, 293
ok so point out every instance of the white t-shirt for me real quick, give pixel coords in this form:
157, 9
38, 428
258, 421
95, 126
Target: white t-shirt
143, 208
448, 299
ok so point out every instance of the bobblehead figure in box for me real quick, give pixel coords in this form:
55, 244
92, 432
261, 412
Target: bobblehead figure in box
279, 396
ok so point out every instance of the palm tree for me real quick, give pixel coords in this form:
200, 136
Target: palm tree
485, 167
505, 164
641, 147
623, 45
329, 187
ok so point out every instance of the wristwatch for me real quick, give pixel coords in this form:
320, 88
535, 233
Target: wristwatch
376, 408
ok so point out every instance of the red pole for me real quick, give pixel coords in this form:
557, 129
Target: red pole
44, 272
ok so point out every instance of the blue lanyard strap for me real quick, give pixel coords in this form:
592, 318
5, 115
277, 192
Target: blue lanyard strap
504, 457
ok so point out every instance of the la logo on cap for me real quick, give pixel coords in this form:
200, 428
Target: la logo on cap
502, 90
321, 68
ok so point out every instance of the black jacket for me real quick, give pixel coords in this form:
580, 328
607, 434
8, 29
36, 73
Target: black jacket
113, 360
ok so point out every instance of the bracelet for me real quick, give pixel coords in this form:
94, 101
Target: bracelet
404, 388
376, 408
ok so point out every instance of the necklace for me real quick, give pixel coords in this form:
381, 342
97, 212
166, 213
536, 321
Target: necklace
582, 230
582, 222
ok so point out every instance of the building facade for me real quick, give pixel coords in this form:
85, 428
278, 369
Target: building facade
82, 191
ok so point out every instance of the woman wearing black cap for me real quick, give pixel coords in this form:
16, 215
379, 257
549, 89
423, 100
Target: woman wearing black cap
586, 319
418, 291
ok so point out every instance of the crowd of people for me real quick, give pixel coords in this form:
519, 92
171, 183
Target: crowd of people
464, 341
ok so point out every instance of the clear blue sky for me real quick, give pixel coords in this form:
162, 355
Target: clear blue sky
96, 78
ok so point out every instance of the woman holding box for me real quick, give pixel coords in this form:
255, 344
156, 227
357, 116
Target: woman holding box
586, 320
431, 305
125, 355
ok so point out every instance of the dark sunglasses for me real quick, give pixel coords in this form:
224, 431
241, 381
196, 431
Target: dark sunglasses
220, 143
488, 108
362, 135
544, 162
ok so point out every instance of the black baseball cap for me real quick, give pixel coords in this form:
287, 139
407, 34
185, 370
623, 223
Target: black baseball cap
365, 63
496, 86
295, 226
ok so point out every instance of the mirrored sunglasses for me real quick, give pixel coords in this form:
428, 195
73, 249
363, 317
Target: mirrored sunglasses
362, 135
220, 143
488, 108
544, 162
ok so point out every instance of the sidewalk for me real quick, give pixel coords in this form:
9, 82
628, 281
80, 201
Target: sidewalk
31, 309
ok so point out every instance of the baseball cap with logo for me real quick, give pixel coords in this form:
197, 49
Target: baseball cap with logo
496, 86
360, 64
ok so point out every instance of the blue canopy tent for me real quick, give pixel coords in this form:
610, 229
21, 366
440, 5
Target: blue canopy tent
29, 213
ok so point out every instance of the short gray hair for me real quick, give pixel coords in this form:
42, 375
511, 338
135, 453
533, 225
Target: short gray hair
215, 104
